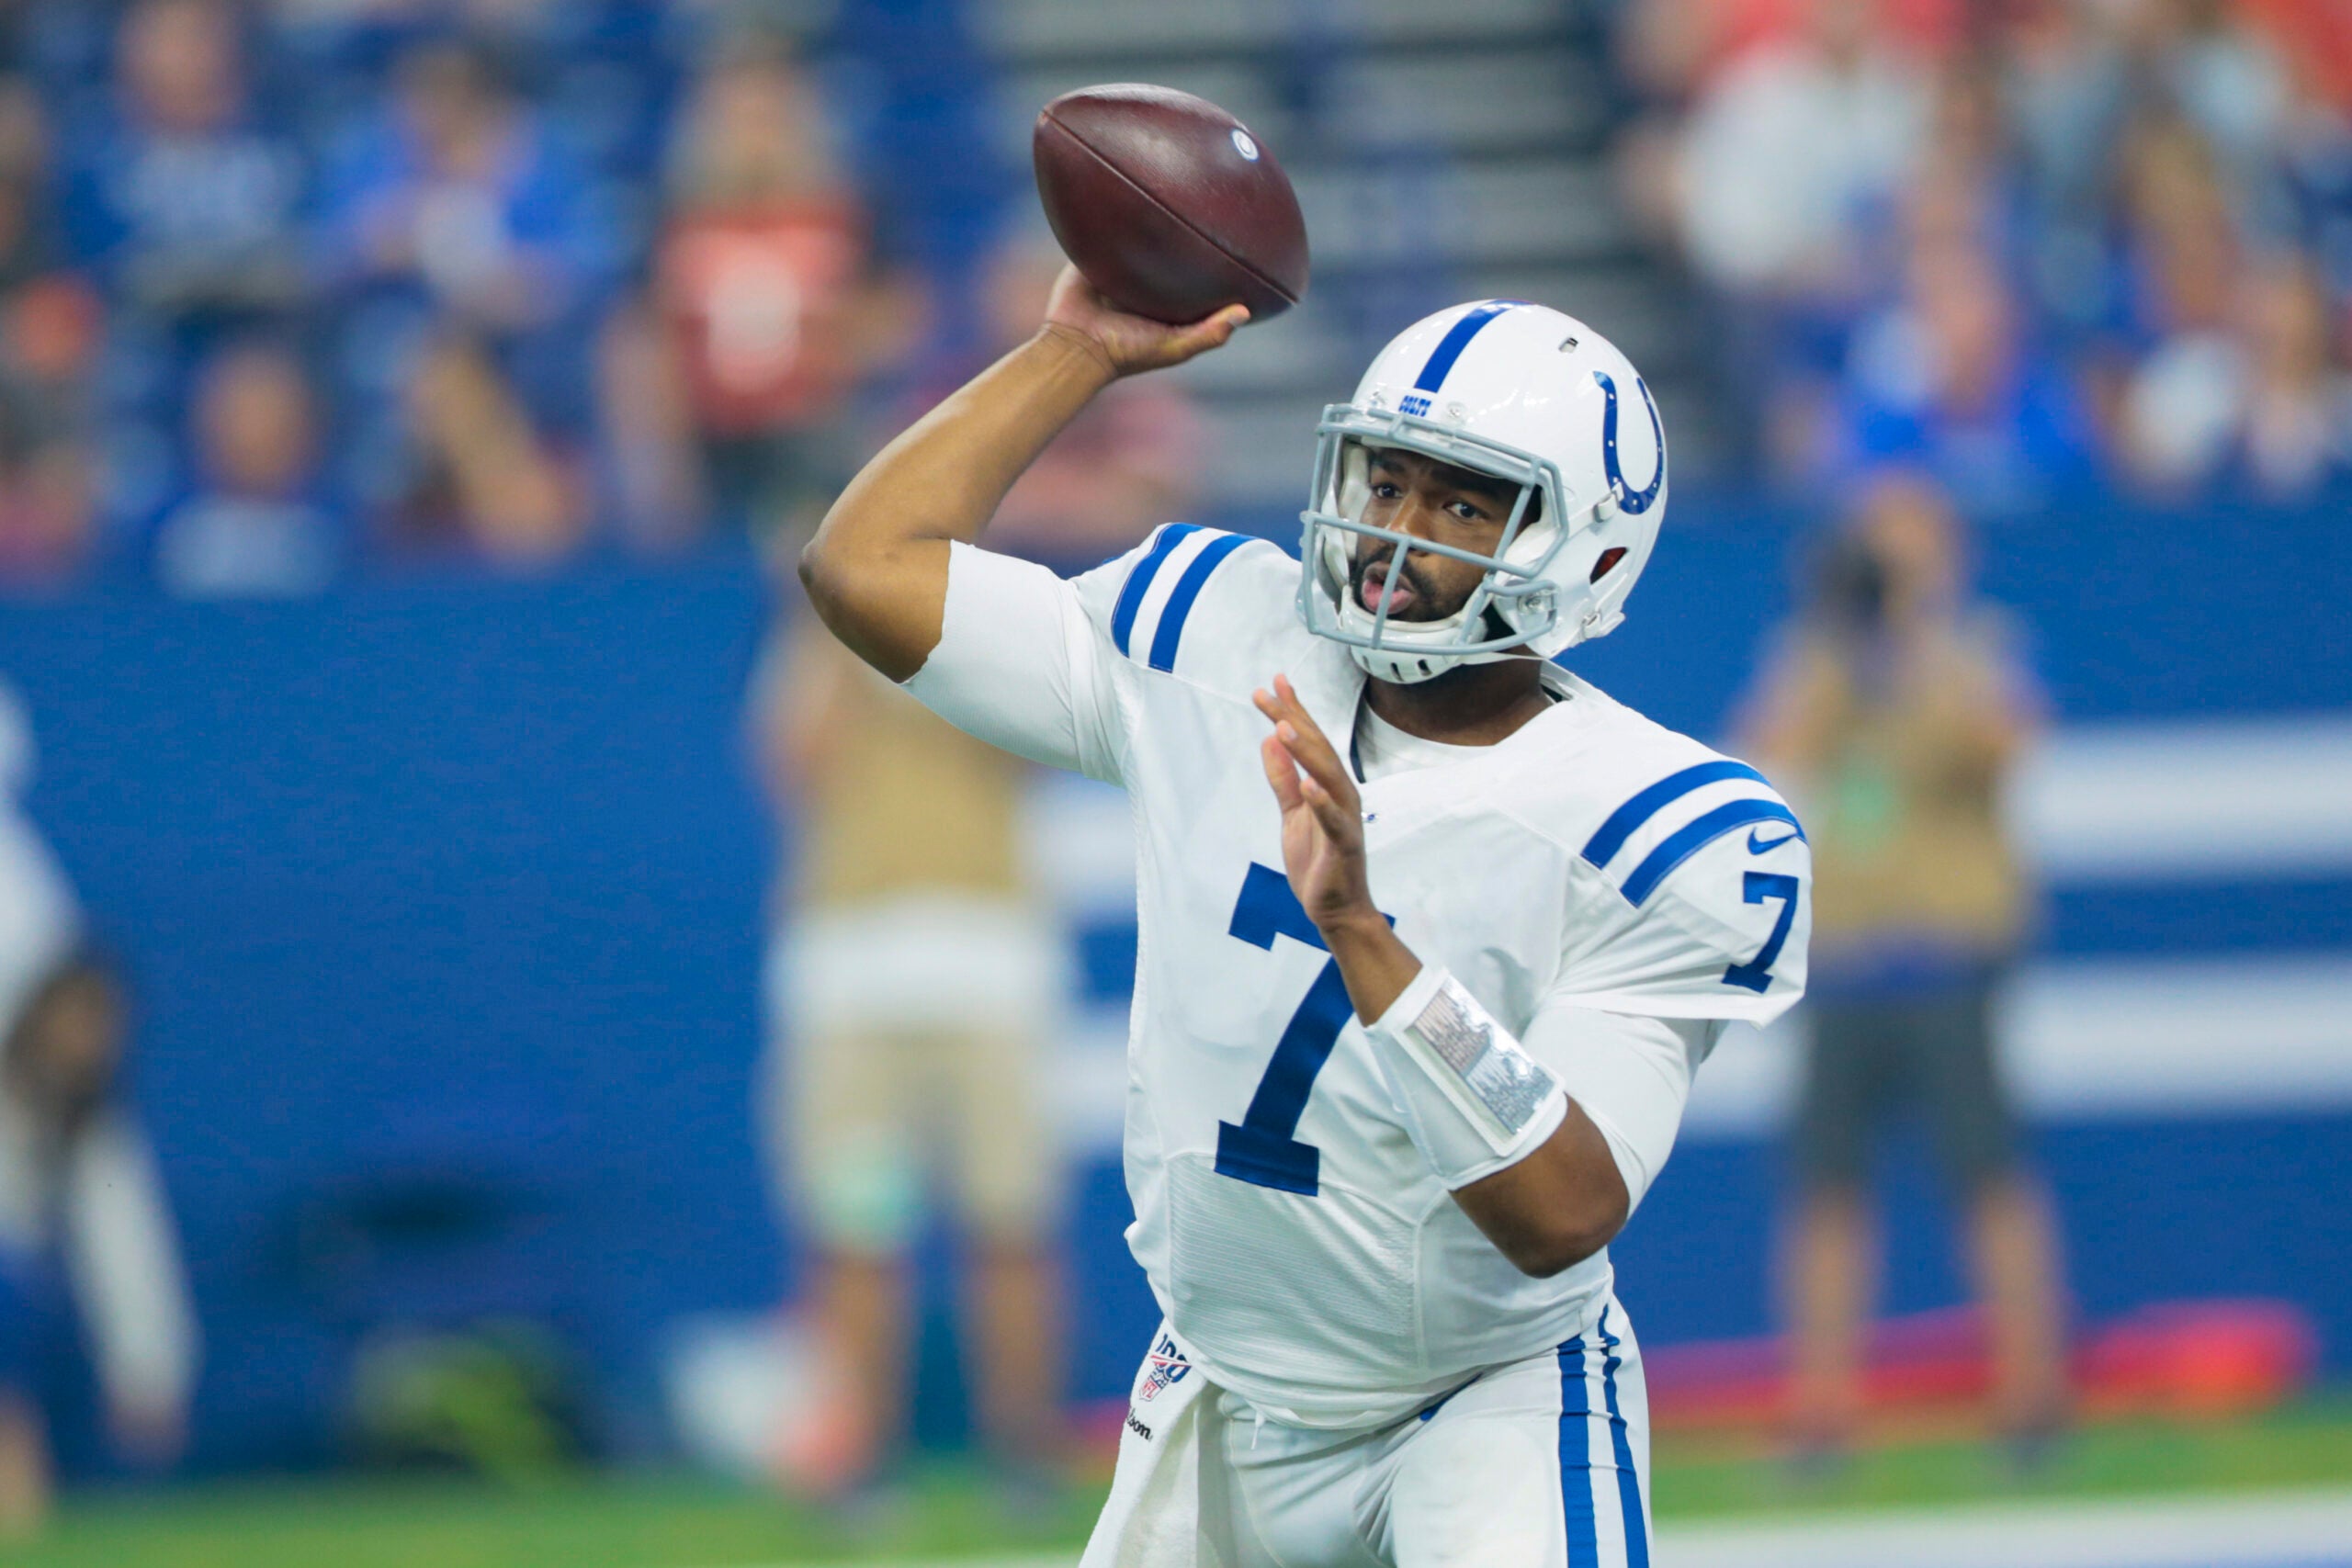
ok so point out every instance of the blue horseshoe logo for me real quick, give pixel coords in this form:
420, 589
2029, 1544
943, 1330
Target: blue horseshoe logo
1635, 502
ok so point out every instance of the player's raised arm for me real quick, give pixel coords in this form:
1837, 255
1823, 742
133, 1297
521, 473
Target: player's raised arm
877, 569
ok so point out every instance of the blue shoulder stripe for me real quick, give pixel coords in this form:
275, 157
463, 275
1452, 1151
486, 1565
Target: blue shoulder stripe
1627, 820
1131, 592
1686, 841
1180, 604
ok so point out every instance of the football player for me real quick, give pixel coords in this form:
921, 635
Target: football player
1433, 932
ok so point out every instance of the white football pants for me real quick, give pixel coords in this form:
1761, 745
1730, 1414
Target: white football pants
1539, 1463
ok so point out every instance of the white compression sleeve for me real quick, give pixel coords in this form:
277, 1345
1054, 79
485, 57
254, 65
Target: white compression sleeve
1473, 1102
1629, 1074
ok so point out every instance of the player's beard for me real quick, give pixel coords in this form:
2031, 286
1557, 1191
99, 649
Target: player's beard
1371, 567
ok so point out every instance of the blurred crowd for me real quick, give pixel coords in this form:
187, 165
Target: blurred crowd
290, 291
296, 290
2022, 245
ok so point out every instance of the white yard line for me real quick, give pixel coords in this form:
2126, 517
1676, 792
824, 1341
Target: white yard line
2277, 1529
2262, 1531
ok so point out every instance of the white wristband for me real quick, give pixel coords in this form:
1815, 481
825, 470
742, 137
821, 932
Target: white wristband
1474, 1100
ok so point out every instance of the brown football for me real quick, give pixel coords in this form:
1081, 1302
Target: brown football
1168, 203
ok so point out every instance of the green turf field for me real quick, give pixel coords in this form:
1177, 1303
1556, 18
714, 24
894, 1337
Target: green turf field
949, 1511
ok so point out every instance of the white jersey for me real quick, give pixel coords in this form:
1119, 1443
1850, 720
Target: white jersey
1610, 890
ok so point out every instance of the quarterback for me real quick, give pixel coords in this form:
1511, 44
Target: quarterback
1434, 933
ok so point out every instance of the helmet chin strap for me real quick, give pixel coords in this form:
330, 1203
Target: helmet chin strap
1400, 665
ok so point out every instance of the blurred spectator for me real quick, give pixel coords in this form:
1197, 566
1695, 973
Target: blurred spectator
2238, 382
917, 982
1792, 149
32, 242
481, 483
732, 395
47, 326
2222, 78
1947, 380
1678, 46
2264, 404
83, 1217
477, 265
462, 198
255, 527
2065, 91
918, 985
45, 512
186, 209
2312, 38
1893, 714
1791, 159
50, 326
189, 207
2184, 239
2317, 158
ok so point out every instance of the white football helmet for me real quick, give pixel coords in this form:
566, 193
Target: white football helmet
1524, 394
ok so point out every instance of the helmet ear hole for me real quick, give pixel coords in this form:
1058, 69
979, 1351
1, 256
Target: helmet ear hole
1607, 563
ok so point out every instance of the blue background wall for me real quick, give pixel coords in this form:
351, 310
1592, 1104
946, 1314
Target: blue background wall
445, 906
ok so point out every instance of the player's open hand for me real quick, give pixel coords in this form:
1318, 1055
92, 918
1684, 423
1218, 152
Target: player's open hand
1322, 814
1130, 344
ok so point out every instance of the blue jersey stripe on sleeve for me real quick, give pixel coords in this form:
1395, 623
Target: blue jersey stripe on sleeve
1180, 602
1138, 583
1686, 841
1627, 820
1457, 338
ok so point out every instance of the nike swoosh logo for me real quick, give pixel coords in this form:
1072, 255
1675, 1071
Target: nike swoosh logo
1757, 846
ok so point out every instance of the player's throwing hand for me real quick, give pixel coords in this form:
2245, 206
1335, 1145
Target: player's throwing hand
1322, 814
1129, 344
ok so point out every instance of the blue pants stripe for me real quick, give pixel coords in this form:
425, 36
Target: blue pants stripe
1629, 1483
1576, 1458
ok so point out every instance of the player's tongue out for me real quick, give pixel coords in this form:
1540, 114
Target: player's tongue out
1373, 590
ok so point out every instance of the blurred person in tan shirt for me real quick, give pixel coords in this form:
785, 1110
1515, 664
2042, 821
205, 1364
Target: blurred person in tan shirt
914, 984
917, 980
1893, 713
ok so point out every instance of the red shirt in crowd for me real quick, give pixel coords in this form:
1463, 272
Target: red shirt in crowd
758, 298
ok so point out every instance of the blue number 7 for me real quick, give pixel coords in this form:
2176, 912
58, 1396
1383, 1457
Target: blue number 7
1757, 972
1262, 1150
